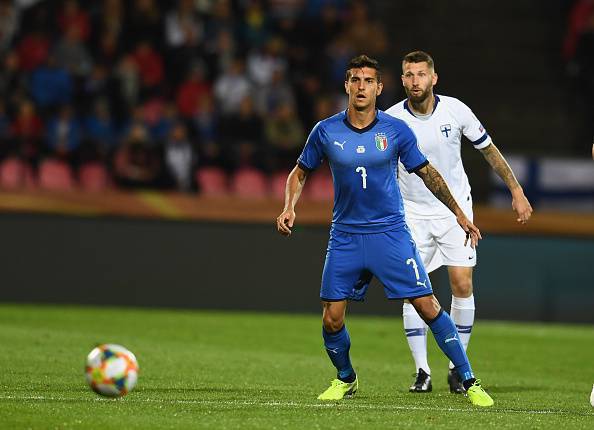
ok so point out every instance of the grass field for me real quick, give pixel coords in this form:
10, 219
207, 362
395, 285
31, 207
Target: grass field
263, 371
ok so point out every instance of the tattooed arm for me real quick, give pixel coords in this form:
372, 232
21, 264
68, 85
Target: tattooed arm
436, 184
519, 201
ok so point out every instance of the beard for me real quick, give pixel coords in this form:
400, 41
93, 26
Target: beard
420, 98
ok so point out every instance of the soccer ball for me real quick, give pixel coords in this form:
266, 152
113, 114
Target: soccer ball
111, 370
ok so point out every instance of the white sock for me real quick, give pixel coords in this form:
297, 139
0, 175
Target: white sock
462, 313
416, 335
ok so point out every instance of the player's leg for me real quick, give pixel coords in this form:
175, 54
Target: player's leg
415, 328
395, 261
338, 345
447, 338
462, 313
460, 260
342, 270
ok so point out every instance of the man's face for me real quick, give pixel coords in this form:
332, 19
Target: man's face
418, 80
363, 88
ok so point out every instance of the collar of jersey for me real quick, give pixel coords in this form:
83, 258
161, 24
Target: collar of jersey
360, 130
412, 113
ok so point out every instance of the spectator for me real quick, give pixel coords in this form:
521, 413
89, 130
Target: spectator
100, 132
64, 135
364, 35
277, 92
71, 53
284, 136
128, 82
159, 116
144, 23
180, 157
184, 33
27, 130
149, 64
191, 91
242, 137
9, 24
73, 18
232, 87
51, 85
137, 164
33, 50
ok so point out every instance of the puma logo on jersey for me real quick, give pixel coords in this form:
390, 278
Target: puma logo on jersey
340, 144
422, 283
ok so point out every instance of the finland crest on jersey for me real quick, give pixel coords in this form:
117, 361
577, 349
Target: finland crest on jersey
363, 163
439, 136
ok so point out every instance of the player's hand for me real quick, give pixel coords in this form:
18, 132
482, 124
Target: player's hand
522, 206
473, 234
285, 221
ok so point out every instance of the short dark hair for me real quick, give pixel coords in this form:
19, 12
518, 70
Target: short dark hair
361, 61
418, 57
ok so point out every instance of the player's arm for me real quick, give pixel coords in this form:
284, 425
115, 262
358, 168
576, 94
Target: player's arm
295, 183
437, 185
519, 201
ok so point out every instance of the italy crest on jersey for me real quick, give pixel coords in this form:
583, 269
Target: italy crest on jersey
381, 141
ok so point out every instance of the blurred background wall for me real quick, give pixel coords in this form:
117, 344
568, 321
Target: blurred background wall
192, 112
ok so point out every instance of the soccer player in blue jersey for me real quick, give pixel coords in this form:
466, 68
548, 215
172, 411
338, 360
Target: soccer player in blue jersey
369, 236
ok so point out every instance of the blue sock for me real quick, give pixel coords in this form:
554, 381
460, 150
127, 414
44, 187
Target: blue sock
337, 346
447, 338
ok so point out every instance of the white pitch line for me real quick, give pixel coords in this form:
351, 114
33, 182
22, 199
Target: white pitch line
349, 404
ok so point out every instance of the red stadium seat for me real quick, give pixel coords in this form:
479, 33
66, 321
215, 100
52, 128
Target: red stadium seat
55, 175
15, 174
94, 177
319, 186
248, 182
278, 182
212, 181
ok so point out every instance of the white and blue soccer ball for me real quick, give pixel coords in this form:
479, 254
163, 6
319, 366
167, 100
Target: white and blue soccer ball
111, 370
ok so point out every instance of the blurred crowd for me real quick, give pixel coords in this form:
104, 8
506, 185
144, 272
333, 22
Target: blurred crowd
154, 91
578, 55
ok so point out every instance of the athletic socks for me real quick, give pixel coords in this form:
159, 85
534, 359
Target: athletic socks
447, 339
462, 313
338, 345
416, 336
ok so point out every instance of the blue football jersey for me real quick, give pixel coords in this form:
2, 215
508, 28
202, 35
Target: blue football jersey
364, 164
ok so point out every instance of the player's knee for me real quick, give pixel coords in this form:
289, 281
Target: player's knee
462, 287
427, 307
332, 323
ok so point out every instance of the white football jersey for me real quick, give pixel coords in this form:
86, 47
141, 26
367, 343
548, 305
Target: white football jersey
439, 136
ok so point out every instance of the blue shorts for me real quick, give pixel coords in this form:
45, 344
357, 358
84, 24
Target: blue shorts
353, 259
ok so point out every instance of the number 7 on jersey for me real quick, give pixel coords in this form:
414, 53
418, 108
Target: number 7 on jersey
363, 171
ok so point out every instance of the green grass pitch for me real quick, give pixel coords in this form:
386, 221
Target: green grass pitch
207, 369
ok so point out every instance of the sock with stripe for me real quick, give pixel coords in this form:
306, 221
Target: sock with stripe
416, 336
462, 313
338, 345
448, 340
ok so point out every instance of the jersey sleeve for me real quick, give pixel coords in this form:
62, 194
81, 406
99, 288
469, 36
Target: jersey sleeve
409, 153
472, 128
313, 153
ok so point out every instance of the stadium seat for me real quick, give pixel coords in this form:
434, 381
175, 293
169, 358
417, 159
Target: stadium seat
248, 182
15, 174
320, 187
212, 181
55, 175
278, 183
94, 177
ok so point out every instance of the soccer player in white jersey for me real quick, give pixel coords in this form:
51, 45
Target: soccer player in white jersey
439, 122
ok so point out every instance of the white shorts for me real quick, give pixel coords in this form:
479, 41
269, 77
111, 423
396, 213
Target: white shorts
440, 242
